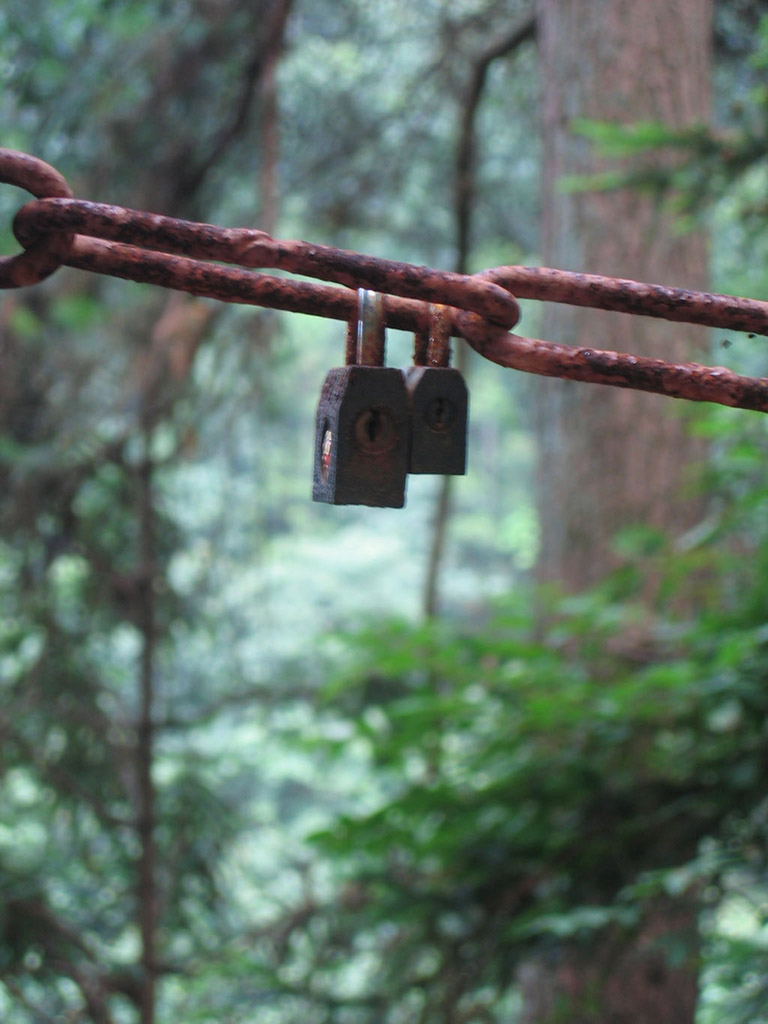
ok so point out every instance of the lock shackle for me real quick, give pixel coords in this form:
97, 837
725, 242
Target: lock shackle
433, 347
439, 347
350, 348
370, 328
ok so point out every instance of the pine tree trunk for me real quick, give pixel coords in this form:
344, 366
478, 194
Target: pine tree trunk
609, 457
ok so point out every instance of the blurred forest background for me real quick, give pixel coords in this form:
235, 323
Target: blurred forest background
498, 757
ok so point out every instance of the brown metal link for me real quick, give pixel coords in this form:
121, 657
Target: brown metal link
56, 229
691, 381
39, 260
252, 248
623, 296
231, 284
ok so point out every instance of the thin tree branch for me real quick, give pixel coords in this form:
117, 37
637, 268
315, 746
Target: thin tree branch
271, 117
465, 193
147, 895
466, 150
231, 701
257, 65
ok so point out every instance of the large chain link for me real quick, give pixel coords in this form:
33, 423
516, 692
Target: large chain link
55, 229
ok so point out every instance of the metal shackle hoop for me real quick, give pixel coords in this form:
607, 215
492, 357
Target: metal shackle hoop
43, 181
370, 328
439, 346
350, 349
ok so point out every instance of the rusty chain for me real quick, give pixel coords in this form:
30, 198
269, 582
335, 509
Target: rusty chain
56, 229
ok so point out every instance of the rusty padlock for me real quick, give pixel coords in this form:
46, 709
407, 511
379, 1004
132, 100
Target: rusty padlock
363, 421
439, 403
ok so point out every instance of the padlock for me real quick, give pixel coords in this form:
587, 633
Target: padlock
362, 432
439, 403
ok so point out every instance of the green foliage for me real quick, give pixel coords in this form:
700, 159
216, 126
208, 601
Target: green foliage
740, 992
504, 787
553, 773
158, 114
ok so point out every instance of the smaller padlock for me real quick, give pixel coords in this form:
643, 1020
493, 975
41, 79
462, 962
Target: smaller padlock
363, 421
439, 403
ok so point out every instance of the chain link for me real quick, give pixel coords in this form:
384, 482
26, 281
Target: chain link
39, 260
55, 229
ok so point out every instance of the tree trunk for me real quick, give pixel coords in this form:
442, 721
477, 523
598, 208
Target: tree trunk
145, 752
610, 457
651, 980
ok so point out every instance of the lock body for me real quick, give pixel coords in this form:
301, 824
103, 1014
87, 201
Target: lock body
362, 438
439, 403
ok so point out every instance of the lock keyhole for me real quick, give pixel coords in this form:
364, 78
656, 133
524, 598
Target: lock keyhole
440, 414
372, 425
375, 431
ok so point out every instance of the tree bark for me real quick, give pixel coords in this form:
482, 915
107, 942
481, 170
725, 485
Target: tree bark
609, 458
650, 980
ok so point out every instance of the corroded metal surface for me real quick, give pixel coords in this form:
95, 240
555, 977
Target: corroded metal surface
439, 345
362, 438
595, 366
253, 248
623, 296
41, 258
56, 229
439, 403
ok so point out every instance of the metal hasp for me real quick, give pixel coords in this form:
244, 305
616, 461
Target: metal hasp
439, 405
362, 428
